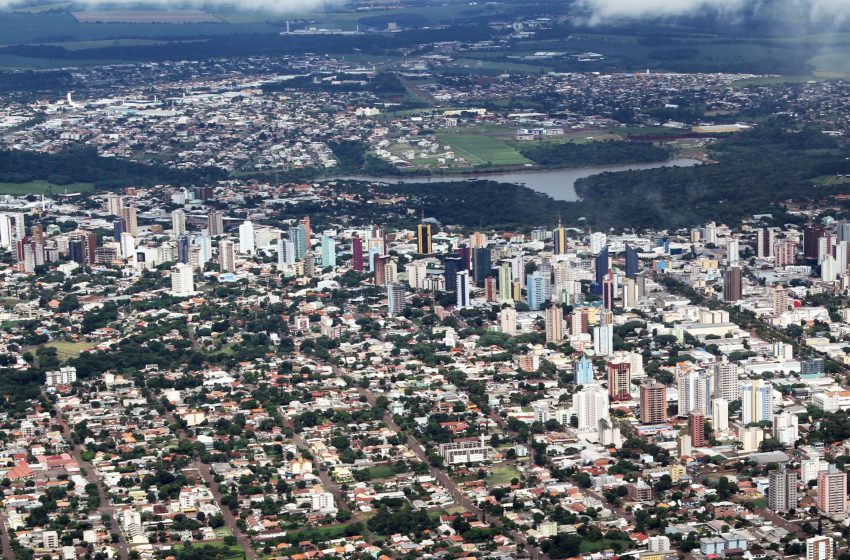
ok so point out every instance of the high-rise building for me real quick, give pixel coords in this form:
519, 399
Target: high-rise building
395, 298
114, 204
720, 414
304, 223
590, 405
785, 253
695, 392
417, 272
619, 380
732, 284
779, 300
183, 249
608, 291
182, 280
584, 371
765, 240
726, 380
506, 282
215, 223
507, 321
451, 266
424, 244
601, 264
178, 222
782, 490
696, 428
597, 241
756, 401
785, 428
481, 265
820, 548
328, 250
559, 240
811, 242
357, 253
227, 256
632, 262
538, 290
554, 319
298, 235
130, 218
603, 338
490, 290
653, 402
463, 289
832, 492
247, 241
733, 251
285, 252
380, 269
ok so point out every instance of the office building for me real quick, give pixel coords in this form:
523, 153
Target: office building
653, 402
424, 244
481, 265
463, 289
183, 249
632, 262
601, 266
559, 240
451, 266
811, 242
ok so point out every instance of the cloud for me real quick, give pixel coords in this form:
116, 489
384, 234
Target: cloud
273, 6
816, 11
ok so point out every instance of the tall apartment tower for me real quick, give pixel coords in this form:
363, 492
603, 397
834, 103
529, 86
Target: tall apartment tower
653, 402
782, 490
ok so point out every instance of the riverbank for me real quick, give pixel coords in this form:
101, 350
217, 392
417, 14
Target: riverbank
557, 183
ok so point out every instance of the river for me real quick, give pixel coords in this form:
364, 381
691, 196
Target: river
557, 183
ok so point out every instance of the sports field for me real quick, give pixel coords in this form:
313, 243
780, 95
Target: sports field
482, 150
43, 187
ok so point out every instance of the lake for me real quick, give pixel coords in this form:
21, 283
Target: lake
557, 183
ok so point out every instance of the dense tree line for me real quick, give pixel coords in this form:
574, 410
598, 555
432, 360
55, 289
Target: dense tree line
84, 165
570, 154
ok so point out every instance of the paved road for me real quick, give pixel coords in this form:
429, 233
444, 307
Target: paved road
106, 507
204, 471
328, 482
458, 495
5, 541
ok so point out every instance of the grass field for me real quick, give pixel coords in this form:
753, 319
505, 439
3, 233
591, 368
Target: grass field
482, 150
43, 187
502, 475
589, 547
67, 350
380, 471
